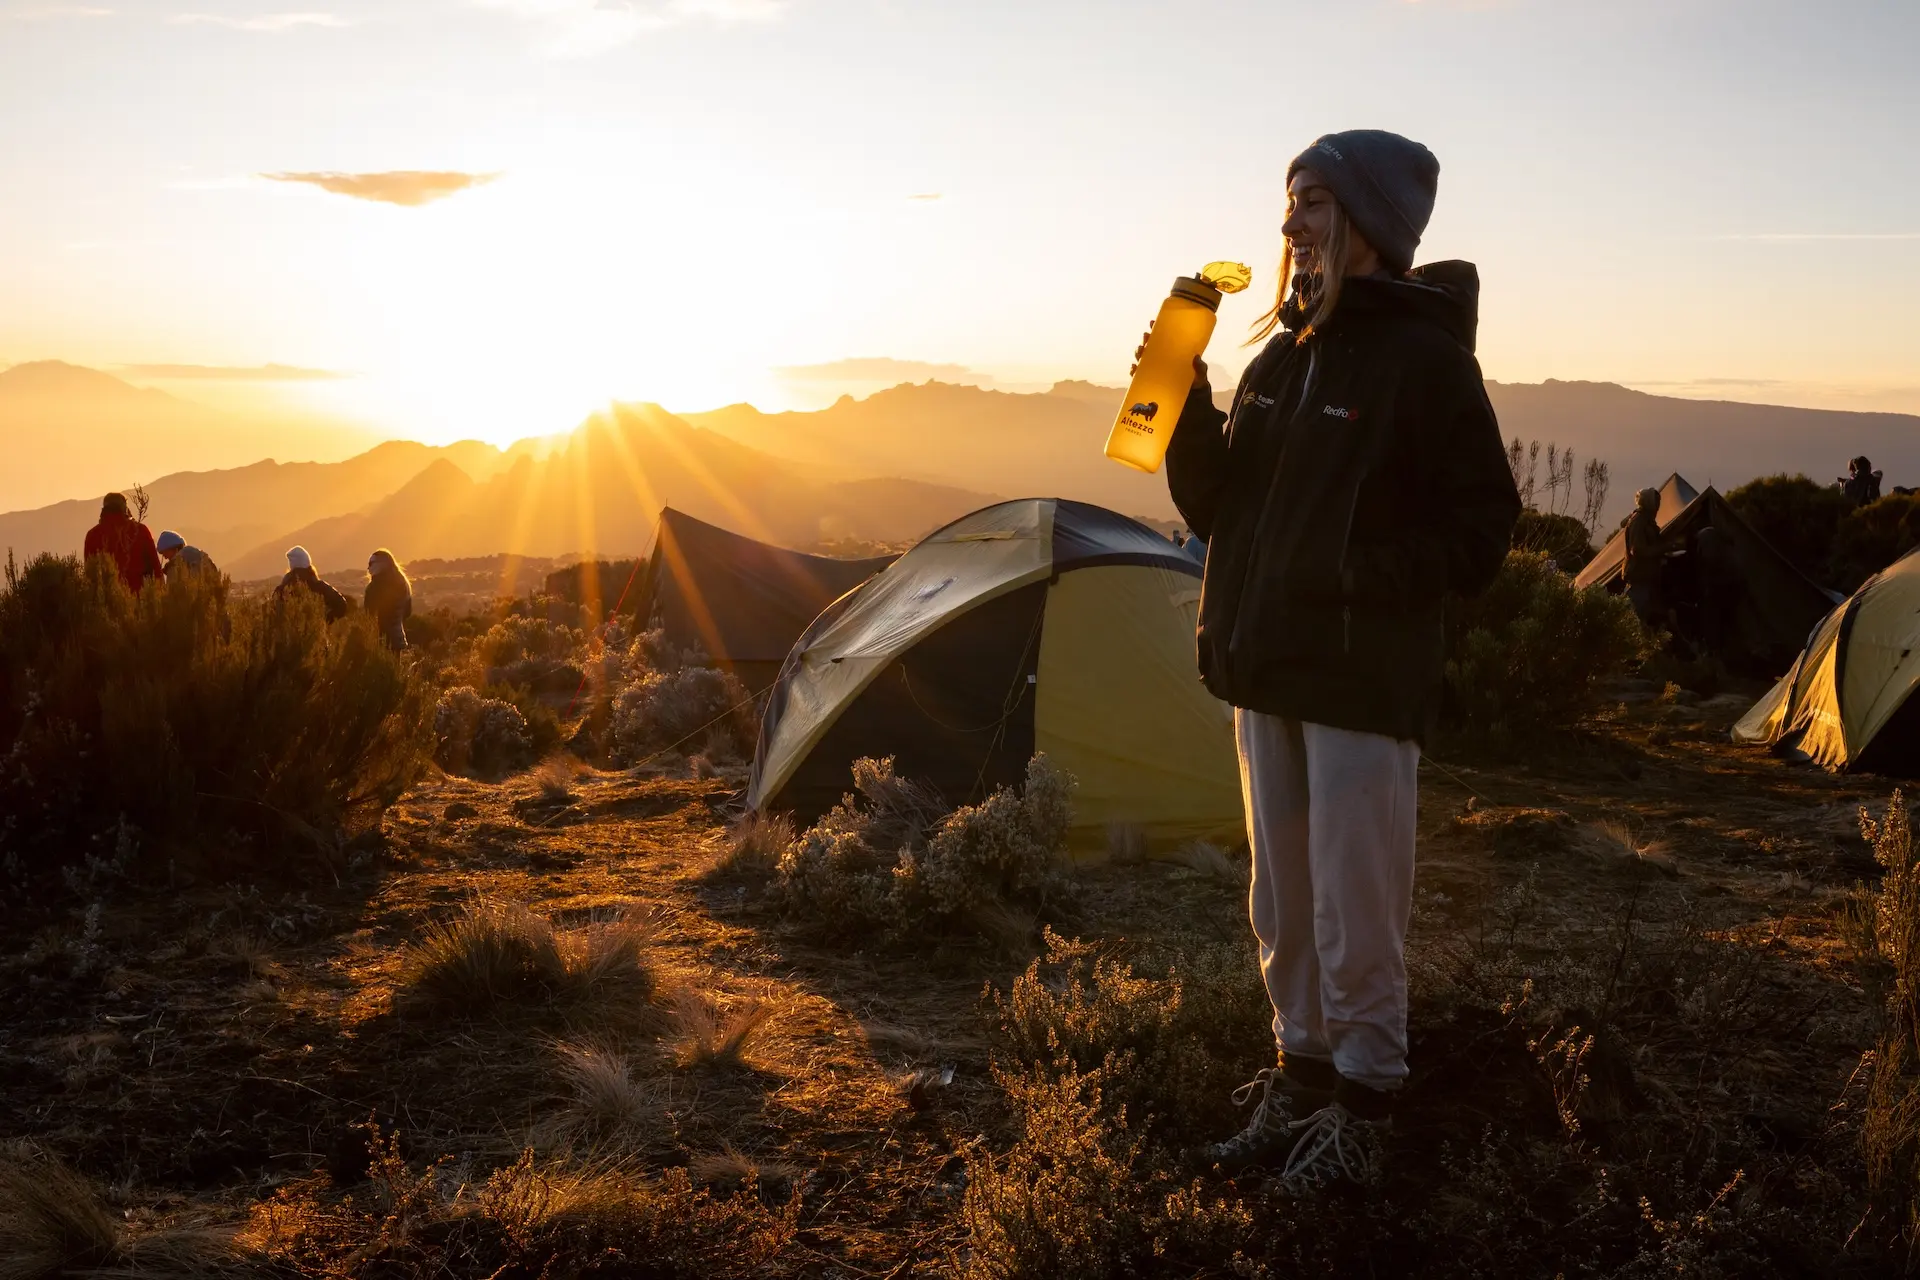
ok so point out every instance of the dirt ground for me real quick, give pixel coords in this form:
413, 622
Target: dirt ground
194, 1050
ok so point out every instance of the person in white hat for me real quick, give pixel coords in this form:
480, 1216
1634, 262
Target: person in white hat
302, 577
181, 560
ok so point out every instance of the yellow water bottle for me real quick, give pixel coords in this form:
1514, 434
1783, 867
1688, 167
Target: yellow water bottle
1165, 373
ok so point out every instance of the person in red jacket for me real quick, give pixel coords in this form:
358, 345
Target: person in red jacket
129, 542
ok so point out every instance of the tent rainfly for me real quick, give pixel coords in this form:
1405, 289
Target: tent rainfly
742, 601
1769, 605
1041, 624
1848, 701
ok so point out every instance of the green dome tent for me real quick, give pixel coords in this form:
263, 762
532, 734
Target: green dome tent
1041, 624
1848, 701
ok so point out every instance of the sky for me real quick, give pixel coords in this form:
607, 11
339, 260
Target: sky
489, 216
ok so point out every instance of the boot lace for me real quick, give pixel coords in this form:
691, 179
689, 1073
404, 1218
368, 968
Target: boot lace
1331, 1143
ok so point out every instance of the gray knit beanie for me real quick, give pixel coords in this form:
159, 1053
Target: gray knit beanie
1385, 183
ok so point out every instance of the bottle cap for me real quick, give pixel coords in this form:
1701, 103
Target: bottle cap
1194, 289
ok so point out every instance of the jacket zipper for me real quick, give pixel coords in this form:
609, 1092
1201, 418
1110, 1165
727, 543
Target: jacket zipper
1346, 545
1282, 422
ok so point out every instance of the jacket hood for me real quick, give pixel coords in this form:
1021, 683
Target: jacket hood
1447, 294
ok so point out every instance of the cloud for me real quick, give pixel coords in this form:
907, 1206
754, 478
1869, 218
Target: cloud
582, 28
49, 12
410, 187
1825, 235
880, 369
261, 22
231, 373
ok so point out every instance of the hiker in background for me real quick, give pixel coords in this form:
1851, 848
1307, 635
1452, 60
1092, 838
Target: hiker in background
129, 542
1645, 556
1862, 484
389, 598
183, 561
1359, 480
300, 575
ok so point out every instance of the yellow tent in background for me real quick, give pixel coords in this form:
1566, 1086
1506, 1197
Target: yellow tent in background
1847, 703
1041, 624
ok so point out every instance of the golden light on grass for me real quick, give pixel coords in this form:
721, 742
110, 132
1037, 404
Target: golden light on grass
604, 1097
496, 953
713, 1037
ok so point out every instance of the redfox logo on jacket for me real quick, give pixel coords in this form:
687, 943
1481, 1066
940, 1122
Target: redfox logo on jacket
1351, 415
1145, 411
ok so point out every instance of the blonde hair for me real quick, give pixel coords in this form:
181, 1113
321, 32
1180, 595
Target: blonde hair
1326, 281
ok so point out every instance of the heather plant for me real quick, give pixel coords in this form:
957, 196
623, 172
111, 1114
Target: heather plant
1077, 1196
1170, 1045
480, 735
1531, 653
890, 861
531, 652
181, 712
661, 710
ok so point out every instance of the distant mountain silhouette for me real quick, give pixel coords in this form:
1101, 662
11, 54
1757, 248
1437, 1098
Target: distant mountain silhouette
1050, 443
227, 513
600, 490
70, 431
887, 468
1645, 438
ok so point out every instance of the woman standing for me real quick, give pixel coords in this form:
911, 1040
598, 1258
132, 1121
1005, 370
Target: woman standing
1357, 481
389, 598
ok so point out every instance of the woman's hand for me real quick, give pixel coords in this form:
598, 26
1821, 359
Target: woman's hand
1199, 365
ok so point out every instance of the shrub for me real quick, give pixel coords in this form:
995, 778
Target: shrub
1562, 538
661, 710
1074, 1197
1799, 517
1872, 537
480, 735
530, 652
1530, 653
890, 862
1170, 1047
1890, 1127
180, 713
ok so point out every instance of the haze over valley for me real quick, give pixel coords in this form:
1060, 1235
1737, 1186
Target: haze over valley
887, 467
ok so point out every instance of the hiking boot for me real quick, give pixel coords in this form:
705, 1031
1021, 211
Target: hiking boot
1284, 1093
1342, 1141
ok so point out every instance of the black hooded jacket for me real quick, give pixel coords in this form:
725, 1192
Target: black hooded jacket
1357, 481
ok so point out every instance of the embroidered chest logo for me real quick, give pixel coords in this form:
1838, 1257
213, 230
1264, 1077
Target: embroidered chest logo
1351, 415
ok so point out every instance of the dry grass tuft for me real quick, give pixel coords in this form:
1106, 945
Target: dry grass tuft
751, 848
53, 1224
555, 776
1126, 844
1210, 860
730, 1171
905, 1043
711, 1037
605, 1098
1616, 841
51, 1221
500, 953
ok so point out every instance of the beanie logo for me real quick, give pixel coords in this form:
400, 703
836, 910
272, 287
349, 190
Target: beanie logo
1351, 415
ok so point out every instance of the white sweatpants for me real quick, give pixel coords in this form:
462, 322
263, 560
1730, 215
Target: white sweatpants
1331, 816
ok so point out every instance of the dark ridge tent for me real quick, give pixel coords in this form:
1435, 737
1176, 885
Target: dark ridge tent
742, 601
1758, 616
1040, 624
1848, 701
